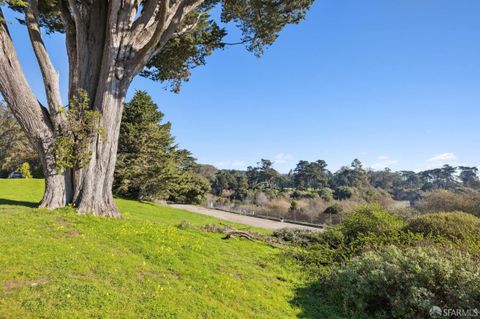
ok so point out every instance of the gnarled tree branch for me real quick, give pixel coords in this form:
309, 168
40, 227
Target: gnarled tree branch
163, 23
49, 74
70, 37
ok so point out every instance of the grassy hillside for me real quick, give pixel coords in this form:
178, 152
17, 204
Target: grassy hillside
60, 265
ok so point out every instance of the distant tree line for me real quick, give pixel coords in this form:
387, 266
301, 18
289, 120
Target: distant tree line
344, 183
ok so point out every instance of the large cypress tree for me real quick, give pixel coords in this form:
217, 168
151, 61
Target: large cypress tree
109, 42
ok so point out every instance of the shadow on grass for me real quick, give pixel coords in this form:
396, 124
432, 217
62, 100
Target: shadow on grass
312, 300
12, 202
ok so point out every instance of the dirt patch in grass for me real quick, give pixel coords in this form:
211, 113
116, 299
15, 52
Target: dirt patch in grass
19, 283
62, 221
72, 233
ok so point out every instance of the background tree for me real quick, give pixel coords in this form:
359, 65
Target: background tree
15, 148
25, 170
108, 44
310, 175
207, 171
469, 176
385, 179
263, 175
150, 166
353, 176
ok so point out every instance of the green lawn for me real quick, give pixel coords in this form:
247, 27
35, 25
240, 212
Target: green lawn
55, 264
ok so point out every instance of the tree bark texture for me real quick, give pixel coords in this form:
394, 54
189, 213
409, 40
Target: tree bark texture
34, 121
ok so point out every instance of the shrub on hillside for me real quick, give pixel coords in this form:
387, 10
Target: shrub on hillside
371, 220
301, 237
333, 209
395, 283
307, 194
332, 214
366, 228
442, 200
344, 192
455, 226
378, 196
326, 194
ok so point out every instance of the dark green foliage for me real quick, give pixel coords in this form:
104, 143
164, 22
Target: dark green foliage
353, 176
261, 20
469, 176
150, 165
235, 183
395, 283
49, 15
297, 194
189, 187
333, 209
310, 175
263, 176
343, 192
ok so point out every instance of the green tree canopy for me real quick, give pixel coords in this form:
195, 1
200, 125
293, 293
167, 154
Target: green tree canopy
150, 165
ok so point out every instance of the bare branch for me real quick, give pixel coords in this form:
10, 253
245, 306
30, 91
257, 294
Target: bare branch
148, 16
49, 74
188, 28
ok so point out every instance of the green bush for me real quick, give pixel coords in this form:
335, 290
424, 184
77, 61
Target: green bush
307, 194
25, 170
301, 237
344, 192
371, 220
455, 226
333, 209
395, 283
326, 194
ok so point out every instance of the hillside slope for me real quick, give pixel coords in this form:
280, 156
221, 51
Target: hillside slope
60, 265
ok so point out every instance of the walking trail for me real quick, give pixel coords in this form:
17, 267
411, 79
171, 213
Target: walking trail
241, 219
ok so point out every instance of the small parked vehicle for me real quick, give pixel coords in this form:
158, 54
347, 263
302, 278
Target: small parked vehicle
15, 175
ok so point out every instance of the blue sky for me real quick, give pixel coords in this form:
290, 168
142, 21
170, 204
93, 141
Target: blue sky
393, 83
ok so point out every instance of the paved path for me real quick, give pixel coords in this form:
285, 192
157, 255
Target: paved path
241, 219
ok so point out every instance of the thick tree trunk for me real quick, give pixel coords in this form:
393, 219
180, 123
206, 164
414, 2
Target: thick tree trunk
93, 183
33, 119
58, 191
